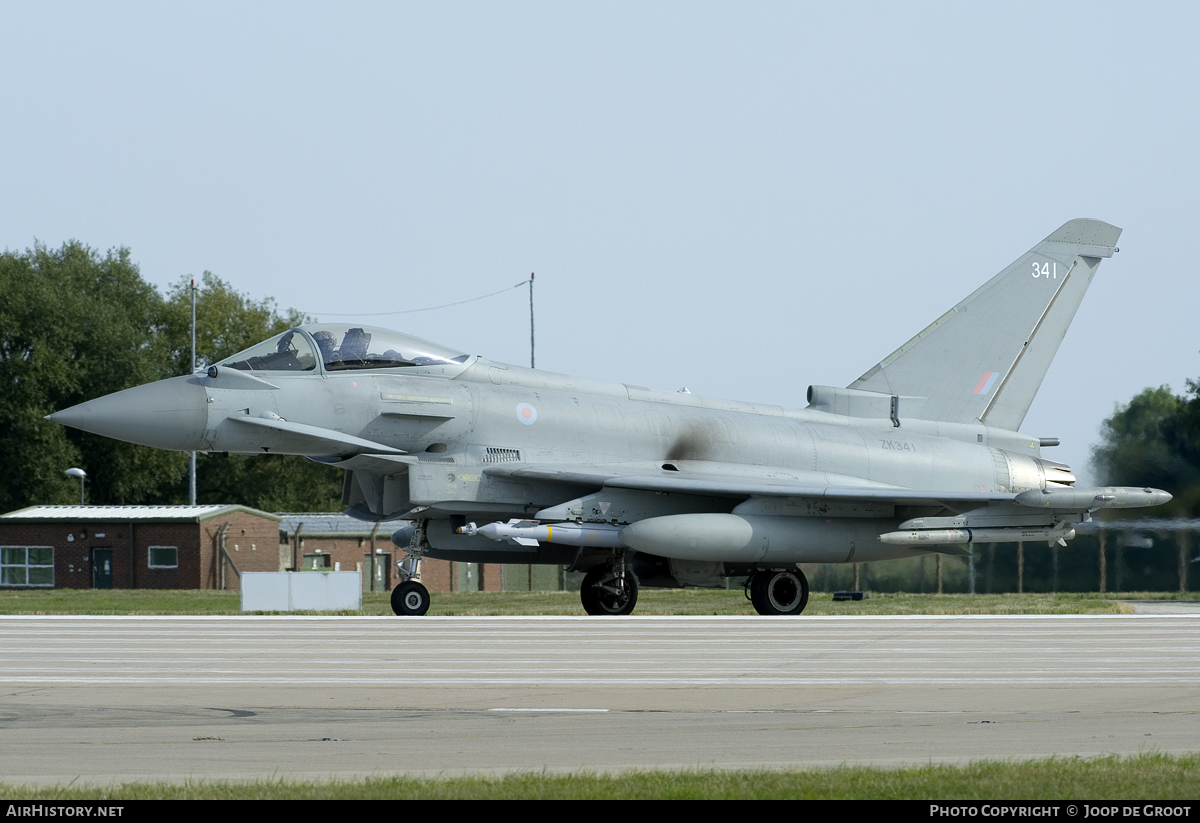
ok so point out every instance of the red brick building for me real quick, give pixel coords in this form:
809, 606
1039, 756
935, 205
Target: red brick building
207, 547
136, 547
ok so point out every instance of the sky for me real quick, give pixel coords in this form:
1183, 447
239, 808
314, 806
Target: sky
741, 198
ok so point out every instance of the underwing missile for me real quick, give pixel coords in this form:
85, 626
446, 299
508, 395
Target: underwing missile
942, 537
530, 533
1112, 497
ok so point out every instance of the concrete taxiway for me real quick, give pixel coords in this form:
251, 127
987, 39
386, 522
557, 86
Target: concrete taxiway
123, 698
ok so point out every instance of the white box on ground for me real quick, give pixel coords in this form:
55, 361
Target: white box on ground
301, 591
266, 592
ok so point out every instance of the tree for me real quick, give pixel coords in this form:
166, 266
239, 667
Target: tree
74, 325
1155, 441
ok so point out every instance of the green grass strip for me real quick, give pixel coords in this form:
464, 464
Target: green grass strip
1143, 777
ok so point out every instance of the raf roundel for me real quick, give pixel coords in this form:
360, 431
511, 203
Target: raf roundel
526, 413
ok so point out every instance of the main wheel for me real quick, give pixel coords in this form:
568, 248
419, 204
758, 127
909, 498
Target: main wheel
779, 592
410, 599
602, 594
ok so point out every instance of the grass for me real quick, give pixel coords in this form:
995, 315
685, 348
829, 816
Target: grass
1143, 777
650, 602
721, 602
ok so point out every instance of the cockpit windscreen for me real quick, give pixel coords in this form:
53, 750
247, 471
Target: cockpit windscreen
290, 351
342, 348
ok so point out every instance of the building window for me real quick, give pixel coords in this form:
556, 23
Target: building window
26, 566
164, 557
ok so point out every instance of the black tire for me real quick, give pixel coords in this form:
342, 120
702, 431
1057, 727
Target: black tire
410, 599
779, 592
600, 596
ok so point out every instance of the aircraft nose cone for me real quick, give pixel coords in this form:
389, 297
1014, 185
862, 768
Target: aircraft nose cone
169, 414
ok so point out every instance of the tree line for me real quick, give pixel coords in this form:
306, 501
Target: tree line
1154, 440
76, 324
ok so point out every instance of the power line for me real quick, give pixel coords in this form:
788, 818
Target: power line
427, 308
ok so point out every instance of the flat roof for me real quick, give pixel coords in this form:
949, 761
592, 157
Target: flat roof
328, 524
108, 514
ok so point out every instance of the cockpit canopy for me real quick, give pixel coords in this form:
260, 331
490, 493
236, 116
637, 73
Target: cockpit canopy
345, 347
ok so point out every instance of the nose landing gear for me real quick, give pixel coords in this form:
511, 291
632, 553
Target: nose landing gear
410, 598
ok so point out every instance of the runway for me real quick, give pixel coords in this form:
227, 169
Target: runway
122, 698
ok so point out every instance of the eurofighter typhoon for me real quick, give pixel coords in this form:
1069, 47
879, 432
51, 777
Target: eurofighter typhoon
495, 463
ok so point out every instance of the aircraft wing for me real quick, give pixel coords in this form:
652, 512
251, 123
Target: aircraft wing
710, 480
722, 480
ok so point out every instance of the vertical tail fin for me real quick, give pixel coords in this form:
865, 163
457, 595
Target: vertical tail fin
985, 359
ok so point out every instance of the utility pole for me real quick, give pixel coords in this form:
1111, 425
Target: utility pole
192, 471
532, 364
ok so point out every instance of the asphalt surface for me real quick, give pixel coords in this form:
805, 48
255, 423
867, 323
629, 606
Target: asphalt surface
1164, 606
98, 699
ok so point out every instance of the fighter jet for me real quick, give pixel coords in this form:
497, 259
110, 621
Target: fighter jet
494, 463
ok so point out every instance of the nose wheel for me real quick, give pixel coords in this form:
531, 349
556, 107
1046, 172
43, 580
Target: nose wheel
609, 590
776, 592
410, 599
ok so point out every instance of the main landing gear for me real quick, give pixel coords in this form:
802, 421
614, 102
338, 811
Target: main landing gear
610, 589
778, 591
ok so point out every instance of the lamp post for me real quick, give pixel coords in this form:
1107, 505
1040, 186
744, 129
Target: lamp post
82, 475
192, 462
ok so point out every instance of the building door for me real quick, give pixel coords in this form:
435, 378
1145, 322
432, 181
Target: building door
102, 568
375, 572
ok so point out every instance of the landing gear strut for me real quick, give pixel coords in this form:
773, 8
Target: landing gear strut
610, 589
410, 598
778, 592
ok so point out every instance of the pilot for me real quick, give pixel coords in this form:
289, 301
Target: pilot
325, 343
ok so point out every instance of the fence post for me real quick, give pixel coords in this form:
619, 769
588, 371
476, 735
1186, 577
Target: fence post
1103, 536
1020, 567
